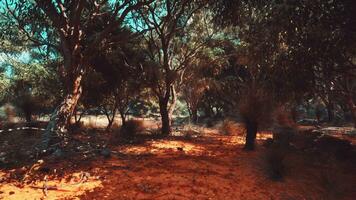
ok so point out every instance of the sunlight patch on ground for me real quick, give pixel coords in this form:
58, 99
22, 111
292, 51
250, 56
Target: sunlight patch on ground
160, 147
240, 139
264, 135
57, 189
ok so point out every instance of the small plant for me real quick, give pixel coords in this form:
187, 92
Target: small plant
190, 132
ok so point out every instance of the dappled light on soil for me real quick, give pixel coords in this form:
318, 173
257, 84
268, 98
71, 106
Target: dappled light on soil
240, 139
209, 166
162, 147
56, 189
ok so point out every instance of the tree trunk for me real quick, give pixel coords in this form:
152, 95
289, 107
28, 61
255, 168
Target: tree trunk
165, 116
193, 112
110, 123
294, 113
61, 116
207, 111
251, 132
330, 109
172, 106
111, 118
77, 118
123, 119
352, 107
194, 115
28, 117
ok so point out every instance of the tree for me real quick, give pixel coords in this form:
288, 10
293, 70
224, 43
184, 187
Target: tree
29, 83
68, 23
168, 48
261, 68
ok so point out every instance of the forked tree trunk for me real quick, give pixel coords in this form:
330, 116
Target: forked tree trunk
111, 118
251, 132
61, 116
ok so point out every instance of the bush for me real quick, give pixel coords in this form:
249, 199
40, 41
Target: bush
341, 149
132, 128
255, 109
332, 180
229, 127
275, 162
76, 126
189, 132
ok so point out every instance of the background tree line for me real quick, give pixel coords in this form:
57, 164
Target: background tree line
221, 58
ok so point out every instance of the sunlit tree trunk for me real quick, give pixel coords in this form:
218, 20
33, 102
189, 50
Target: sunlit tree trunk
60, 118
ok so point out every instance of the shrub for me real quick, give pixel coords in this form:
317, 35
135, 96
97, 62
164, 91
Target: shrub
77, 126
255, 108
189, 132
229, 127
305, 140
332, 180
275, 162
132, 128
341, 149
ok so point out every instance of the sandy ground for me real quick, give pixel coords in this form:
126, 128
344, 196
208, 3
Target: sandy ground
209, 166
